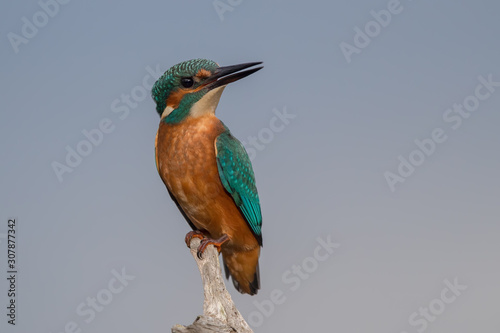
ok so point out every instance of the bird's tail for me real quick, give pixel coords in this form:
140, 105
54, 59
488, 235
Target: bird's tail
243, 266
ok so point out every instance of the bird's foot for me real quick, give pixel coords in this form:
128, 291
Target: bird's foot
193, 234
215, 242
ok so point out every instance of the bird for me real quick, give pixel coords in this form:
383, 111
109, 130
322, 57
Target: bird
206, 170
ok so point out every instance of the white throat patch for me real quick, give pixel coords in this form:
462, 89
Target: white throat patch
208, 103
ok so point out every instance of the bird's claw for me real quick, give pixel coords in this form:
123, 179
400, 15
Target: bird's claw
193, 234
207, 241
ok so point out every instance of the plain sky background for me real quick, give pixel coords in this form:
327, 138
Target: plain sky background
321, 176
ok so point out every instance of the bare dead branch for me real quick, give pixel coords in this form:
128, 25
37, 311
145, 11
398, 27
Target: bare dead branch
219, 312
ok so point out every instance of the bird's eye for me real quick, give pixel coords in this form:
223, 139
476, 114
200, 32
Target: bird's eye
187, 82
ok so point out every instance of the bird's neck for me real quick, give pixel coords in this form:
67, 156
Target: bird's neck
191, 128
191, 107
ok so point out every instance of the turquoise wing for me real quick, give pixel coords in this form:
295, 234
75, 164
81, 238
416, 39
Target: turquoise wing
237, 177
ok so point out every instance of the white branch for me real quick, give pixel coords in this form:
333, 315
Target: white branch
219, 312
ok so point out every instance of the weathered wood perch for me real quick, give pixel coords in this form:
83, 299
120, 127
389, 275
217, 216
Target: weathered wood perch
219, 312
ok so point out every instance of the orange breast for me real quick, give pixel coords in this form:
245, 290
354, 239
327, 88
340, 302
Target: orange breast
187, 164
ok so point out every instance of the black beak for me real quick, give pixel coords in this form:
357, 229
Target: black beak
222, 75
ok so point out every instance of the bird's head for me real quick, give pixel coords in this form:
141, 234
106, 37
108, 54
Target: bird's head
194, 87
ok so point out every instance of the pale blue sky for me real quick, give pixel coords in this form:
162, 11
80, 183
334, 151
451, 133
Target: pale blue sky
321, 175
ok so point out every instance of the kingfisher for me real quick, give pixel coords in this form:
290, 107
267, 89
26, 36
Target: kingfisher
206, 170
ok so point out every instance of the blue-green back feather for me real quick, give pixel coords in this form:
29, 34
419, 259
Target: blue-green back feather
237, 177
